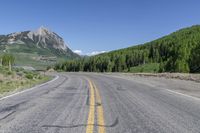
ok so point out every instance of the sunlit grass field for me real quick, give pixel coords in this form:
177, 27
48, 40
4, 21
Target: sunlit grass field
19, 79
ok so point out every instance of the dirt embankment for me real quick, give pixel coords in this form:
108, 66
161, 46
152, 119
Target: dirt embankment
181, 76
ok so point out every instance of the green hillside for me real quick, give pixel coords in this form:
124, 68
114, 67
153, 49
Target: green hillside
177, 52
31, 56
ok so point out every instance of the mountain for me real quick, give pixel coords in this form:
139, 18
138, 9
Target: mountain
39, 47
176, 52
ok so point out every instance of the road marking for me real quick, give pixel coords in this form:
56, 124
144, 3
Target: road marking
20, 92
90, 121
100, 115
185, 95
171, 91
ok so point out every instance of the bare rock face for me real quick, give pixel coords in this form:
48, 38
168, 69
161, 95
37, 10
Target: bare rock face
42, 38
46, 38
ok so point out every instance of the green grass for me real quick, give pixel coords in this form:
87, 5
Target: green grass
30, 59
27, 55
25, 59
10, 86
146, 68
19, 79
23, 48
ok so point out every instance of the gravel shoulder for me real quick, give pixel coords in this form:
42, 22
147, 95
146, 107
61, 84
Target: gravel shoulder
188, 84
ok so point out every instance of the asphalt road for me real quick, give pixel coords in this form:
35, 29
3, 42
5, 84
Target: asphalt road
86, 103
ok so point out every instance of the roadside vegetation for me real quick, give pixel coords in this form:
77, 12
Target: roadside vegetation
16, 79
146, 68
177, 52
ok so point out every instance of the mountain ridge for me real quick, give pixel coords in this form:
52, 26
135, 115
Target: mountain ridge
40, 43
38, 37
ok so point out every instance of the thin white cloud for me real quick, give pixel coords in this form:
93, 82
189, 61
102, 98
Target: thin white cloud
78, 52
95, 53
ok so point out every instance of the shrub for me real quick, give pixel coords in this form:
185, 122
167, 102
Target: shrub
48, 68
29, 76
39, 77
9, 73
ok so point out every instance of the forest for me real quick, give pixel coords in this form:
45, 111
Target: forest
176, 52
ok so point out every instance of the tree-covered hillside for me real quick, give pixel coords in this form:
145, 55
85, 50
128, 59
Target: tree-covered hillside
177, 52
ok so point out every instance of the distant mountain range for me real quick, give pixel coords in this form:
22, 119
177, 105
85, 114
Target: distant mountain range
36, 48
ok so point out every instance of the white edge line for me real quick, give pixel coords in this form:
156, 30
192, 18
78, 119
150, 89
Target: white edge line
175, 92
195, 98
20, 92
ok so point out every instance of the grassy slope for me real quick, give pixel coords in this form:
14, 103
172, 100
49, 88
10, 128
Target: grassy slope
26, 56
18, 80
147, 68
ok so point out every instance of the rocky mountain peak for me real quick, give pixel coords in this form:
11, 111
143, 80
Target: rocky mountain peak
41, 45
43, 31
41, 38
45, 38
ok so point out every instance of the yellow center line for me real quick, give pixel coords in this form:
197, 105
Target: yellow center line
91, 116
90, 121
100, 114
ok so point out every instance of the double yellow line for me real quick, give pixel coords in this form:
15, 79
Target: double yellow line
91, 116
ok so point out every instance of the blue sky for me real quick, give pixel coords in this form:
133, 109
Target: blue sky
100, 25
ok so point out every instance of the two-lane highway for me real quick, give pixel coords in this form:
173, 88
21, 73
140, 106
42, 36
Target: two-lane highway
99, 103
